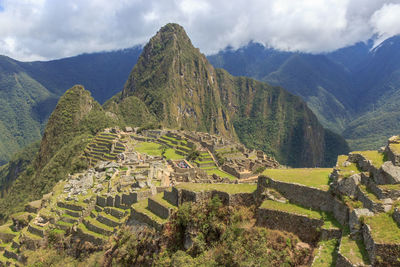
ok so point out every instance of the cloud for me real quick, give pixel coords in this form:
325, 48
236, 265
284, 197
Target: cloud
48, 29
386, 21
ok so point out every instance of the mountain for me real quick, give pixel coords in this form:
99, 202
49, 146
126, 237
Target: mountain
353, 90
183, 90
74, 121
322, 83
29, 91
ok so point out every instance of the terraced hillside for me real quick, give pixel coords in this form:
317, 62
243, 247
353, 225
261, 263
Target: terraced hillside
105, 147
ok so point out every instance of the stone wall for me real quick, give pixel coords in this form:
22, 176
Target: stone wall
342, 261
299, 194
141, 217
172, 196
369, 203
340, 212
305, 228
158, 209
393, 156
380, 254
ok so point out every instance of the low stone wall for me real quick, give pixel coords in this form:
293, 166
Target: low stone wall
35, 231
172, 196
10, 254
342, 261
70, 206
143, 218
369, 203
305, 228
380, 254
96, 229
299, 194
158, 209
340, 212
332, 233
89, 238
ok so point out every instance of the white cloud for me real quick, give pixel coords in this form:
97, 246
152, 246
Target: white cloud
386, 21
46, 29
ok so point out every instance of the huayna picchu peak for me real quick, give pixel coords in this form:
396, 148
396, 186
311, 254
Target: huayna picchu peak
191, 166
183, 90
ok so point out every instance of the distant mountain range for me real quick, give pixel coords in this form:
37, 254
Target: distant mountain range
353, 91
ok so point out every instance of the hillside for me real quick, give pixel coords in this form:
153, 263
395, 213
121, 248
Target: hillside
353, 90
29, 91
181, 88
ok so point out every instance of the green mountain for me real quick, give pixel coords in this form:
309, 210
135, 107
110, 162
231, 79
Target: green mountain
29, 91
76, 118
353, 91
183, 90
24, 105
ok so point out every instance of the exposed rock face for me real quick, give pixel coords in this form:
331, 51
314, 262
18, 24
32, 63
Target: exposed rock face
348, 186
354, 219
390, 174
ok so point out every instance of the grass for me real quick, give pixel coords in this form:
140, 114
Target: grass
314, 177
354, 250
329, 221
327, 254
390, 186
348, 170
88, 232
99, 224
159, 198
172, 155
369, 194
220, 173
395, 148
141, 207
228, 188
375, 157
383, 228
6, 229
149, 148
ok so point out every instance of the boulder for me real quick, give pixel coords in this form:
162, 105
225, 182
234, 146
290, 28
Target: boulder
348, 186
354, 219
388, 174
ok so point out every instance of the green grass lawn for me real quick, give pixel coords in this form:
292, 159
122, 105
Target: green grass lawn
220, 173
354, 250
348, 170
395, 148
327, 253
228, 188
149, 148
372, 155
383, 228
330, 222
315, 177
172, 155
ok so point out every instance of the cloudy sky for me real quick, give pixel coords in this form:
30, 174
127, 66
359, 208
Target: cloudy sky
49, 29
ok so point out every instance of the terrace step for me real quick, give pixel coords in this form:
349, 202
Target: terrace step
141, 213
160, 207
108, 219
63, 225
116, 212
75, 206
69, 219
351, 251
85, 234
97, 227
36, 230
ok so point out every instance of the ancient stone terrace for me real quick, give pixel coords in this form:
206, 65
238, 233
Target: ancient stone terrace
106, 146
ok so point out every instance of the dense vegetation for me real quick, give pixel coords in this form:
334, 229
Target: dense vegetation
29, 91
76, 118
199, 234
